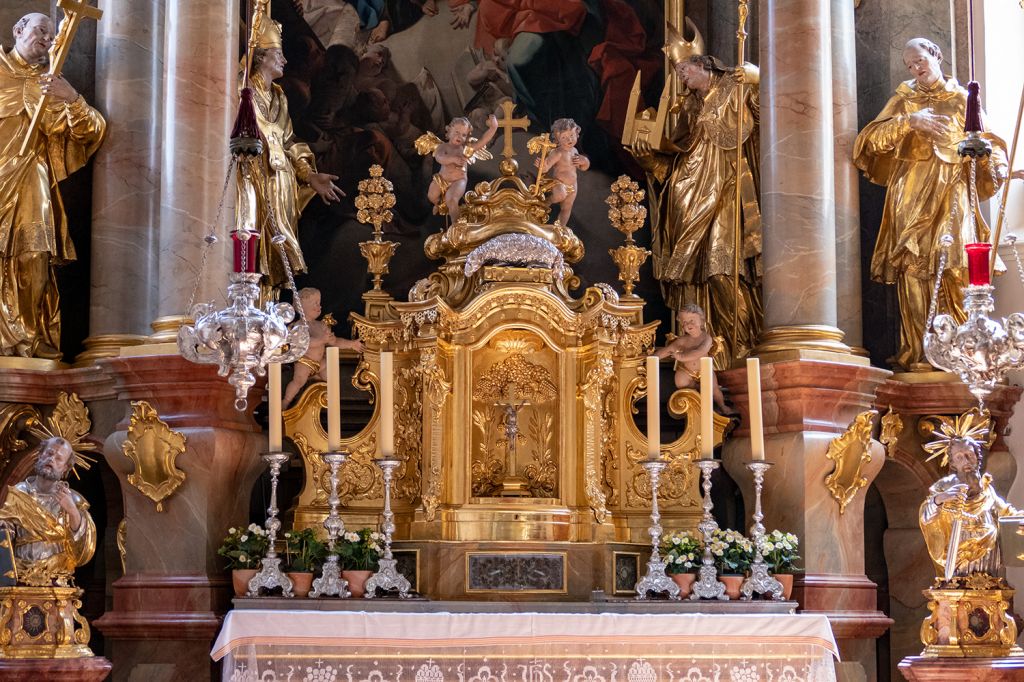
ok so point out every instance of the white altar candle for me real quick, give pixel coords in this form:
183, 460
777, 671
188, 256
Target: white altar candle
707, 409
387, 406
756, 422
653, 409
333, 400
274, 401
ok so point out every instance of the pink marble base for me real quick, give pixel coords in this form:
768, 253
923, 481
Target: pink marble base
807, 403
921, 669
63, 669
167, 608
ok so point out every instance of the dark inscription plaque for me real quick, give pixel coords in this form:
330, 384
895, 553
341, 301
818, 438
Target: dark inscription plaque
515, 572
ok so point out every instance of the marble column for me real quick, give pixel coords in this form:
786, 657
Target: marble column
201, 60
847, 194
126, 173
168, 606
797, 187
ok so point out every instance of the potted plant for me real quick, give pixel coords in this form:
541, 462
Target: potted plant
304, 554
359, 554
244, 548
682, 551
733, 553
780, 551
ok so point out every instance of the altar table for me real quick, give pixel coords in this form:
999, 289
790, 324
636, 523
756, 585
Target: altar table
324, 646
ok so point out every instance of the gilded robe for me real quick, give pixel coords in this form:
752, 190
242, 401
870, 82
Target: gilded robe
46, 549
979, 528
32, 221
693, 198
284, 167
926, 179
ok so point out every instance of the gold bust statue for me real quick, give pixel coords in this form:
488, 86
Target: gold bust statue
52, 530
960, 516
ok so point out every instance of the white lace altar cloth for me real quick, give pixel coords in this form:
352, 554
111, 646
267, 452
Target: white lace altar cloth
318, 646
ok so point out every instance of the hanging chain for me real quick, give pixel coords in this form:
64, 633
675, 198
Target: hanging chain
944, 243
279, 240
211, 238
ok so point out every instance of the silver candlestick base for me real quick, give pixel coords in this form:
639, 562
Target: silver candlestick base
707, 585
387, 576
270, 574
655, 580
759, 581
330, 583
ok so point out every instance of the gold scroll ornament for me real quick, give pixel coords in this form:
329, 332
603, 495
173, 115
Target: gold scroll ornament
850, 452
153, 447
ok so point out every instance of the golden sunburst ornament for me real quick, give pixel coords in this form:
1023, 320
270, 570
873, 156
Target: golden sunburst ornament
70, 421
973, 425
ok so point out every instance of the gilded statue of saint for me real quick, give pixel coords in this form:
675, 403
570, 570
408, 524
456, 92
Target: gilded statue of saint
965, 494
288, 176
33, 228
911, 148
693, 198
53, 531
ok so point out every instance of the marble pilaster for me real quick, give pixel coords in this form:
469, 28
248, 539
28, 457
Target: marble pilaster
847, 195
199, 99
807, 403
126, 177
797, 187
168, 605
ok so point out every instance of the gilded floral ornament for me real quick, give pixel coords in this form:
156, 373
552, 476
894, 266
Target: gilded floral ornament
850, 452
892, 427
627, 214
373, 207
153, 447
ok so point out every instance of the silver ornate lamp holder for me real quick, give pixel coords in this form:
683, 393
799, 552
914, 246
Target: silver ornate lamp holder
387, 576
655, 580
759, 581
270, 574
330, 583
707, 585
981, 350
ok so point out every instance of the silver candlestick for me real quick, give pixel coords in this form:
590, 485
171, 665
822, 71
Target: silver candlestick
330, 582
707, 585
270, 574
387, 576
655, 579
759, 581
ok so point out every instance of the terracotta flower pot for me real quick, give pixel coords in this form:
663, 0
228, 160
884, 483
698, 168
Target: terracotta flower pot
357, 581
302, 583
732, 585
685, 582
240, 578
787, 584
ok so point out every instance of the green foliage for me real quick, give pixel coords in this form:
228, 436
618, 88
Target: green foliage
682, 551
360, 551
779, 551
244, 547
732, 551
304, 551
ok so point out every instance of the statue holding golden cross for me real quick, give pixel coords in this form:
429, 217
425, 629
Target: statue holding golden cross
507, 124
74, 12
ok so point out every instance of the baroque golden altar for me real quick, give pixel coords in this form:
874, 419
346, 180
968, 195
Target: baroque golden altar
515, 408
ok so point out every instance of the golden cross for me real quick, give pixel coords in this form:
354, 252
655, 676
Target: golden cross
74, 12
507, 124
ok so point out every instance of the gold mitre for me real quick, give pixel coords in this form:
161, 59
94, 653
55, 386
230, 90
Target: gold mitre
266, 33
679, 48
